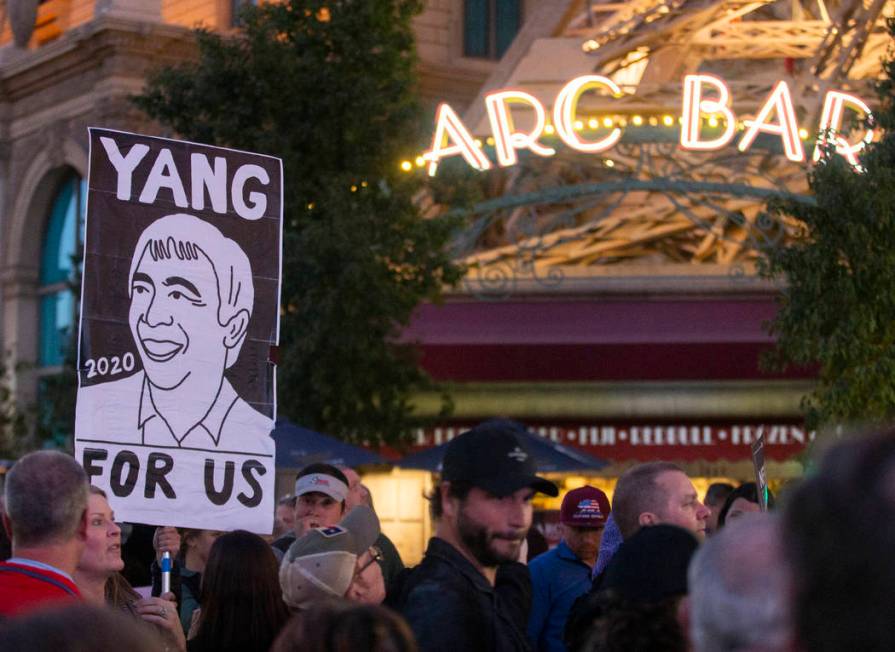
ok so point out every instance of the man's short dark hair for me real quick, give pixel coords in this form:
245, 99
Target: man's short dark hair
838, 539
46, 495
637, 492
717, 493
457, 490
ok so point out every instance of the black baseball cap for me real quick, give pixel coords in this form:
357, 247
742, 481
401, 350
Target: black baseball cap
493, 456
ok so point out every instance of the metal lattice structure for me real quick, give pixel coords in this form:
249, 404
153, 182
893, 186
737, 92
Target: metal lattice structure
647, 202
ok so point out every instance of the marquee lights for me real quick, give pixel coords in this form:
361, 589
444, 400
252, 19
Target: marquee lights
831, 120
449, 128
703, 96
506, 139
787, 128
695, 105
564, 113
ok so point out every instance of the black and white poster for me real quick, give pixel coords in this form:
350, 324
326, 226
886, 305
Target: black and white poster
179, 311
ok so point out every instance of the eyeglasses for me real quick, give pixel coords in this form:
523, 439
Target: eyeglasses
375, 556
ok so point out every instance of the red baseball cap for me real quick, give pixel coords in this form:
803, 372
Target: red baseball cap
584, 507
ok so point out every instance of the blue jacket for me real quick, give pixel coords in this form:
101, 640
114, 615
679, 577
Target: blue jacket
558, 577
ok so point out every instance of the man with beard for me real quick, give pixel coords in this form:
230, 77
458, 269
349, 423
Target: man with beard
470, 593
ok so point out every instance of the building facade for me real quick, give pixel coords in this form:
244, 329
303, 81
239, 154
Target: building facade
611, 299
69, 64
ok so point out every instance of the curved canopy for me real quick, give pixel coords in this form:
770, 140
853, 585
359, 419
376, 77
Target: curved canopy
297, 447
548, 455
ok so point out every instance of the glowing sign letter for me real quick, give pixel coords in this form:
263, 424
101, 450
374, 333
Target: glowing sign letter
506, 139
695, 104
831, 120
448, 127
564, 113
780, 101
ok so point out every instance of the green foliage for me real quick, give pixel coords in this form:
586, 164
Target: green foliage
838, 309
330, 88
13, 427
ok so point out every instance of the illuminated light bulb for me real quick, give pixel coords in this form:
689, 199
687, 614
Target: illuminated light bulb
623, 122
578, 125
407, 166
609, 163
363, 184
713, 121
353, 188
549, 130
311, 206
667, 120
607, 122
478, 143
637, 120
590, 46
490, 140
803, 134
653, 120
420, 162
663, 9
593, 123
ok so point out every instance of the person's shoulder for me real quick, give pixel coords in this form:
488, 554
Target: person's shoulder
385, 544
545, 557
23, 588
544, 562
433, 574
424, 593
282, 544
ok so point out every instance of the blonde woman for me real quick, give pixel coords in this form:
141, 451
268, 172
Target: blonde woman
99, 579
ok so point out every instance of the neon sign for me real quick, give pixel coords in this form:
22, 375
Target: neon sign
702, 95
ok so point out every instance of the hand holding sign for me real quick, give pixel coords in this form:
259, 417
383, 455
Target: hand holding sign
166, 539
761, 480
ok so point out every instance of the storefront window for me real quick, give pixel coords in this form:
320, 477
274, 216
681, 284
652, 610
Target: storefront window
490, 26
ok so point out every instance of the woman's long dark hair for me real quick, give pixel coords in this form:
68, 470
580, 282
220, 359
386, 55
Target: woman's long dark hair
242, 604
746, 491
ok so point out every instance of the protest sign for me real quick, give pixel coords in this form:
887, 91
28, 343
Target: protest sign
761, 478
179, 311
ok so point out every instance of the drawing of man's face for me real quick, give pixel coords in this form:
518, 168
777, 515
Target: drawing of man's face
174, 319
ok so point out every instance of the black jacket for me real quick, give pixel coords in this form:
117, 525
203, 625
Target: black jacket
451, 607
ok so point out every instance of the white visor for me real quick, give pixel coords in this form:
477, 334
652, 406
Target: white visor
322, 484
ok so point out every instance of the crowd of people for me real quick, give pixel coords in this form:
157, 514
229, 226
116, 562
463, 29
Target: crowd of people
658, 569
